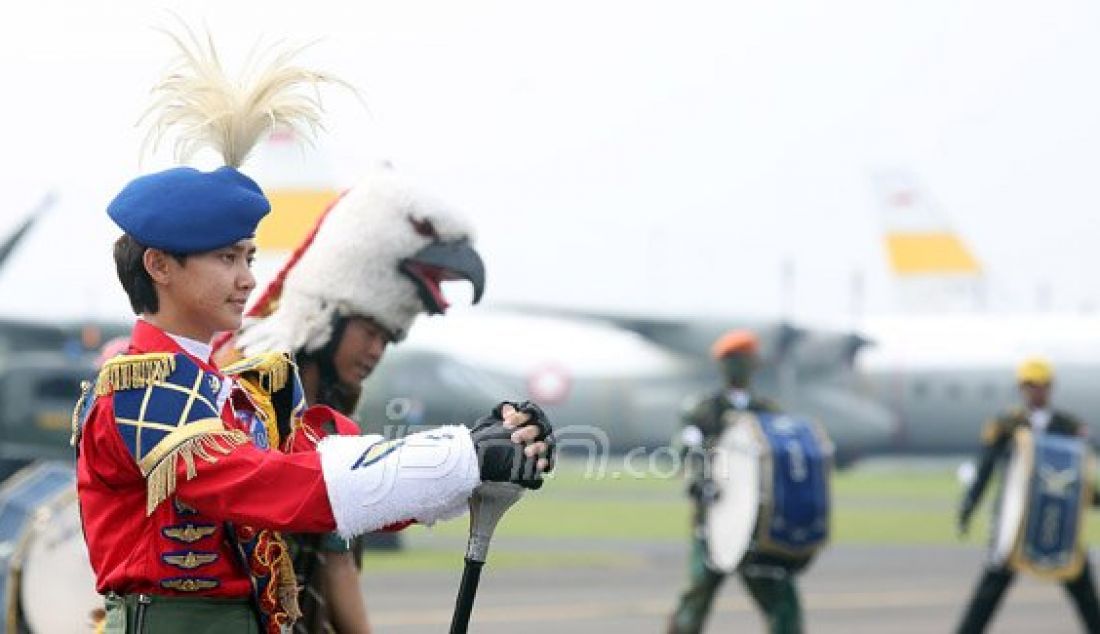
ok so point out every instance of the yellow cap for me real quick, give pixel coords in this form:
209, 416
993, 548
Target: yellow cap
1035, 370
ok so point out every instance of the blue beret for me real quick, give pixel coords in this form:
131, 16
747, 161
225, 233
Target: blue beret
184, 210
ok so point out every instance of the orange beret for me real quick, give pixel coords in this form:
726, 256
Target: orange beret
734, 341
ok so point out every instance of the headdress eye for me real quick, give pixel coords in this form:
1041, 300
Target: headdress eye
424, 227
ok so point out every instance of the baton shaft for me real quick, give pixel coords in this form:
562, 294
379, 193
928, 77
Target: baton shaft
464, 605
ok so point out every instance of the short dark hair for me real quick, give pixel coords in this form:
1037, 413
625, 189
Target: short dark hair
130, 267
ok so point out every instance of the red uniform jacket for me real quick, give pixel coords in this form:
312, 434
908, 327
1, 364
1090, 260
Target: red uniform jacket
181, 547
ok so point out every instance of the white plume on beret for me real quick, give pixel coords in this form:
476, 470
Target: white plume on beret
206, 107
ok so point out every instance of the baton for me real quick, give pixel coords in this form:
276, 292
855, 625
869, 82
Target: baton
487, 505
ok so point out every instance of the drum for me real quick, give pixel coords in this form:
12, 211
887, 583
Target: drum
47, 580
1046, 494
772, 472
730, 520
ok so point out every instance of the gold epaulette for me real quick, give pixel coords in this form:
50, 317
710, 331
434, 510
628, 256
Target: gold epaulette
261, 376
134, 371
1003, 425
272, 370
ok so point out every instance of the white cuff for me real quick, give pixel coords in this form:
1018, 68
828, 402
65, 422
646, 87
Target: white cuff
373, 482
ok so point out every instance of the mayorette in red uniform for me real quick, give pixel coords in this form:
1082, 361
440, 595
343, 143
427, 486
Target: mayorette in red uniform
181, 546
185, 480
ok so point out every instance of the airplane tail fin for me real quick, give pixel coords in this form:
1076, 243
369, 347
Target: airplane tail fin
8, 246
932, 266
298, 181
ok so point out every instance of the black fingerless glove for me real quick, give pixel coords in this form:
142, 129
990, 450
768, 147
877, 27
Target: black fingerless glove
500, 459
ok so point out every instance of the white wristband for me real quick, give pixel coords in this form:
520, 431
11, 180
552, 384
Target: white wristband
373, 482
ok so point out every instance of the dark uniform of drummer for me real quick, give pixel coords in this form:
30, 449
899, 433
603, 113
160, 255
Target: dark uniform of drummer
768, 578
1035, 379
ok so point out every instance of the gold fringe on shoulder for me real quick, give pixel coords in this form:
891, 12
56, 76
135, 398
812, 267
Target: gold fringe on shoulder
272, 370
261, 376
160, 481
136, 371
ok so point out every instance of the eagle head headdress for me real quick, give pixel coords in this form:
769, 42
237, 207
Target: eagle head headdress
382, 251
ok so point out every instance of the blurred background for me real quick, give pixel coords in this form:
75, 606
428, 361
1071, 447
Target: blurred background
897, 197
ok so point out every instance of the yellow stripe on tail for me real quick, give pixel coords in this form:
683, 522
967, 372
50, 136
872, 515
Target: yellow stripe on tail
293, 213
930, 253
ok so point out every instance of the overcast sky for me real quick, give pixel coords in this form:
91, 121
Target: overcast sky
631, 156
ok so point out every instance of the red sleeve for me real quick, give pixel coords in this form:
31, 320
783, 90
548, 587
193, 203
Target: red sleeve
267, 489
319, 420
105, 456
247, 485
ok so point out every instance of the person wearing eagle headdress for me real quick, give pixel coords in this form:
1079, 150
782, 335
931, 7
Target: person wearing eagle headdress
373, 262
183, 497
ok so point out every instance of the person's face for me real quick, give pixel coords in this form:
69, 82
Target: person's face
1035, 395
359, 351
737, 368
207, 292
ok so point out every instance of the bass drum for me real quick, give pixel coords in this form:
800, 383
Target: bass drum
48, 582
1043, 506
731, 519
1013, 503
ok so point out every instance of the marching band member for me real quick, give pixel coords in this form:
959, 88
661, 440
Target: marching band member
768, 574
1035, 378
182, 500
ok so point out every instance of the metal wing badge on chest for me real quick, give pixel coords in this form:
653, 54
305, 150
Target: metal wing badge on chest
165, 410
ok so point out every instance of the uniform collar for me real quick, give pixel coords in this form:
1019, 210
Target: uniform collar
739, 398
148, 338
1040, 418
193, 347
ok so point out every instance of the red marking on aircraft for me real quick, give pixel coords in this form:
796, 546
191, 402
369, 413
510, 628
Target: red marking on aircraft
549, 384
903, 198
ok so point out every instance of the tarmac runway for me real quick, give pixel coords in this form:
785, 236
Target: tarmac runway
849, 589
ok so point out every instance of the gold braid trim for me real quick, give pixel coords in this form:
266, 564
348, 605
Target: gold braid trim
85, 389
288, 584
134, 371
159, 467
261, 376
264, 408
272, 370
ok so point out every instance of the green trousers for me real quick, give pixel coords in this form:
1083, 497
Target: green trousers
770, 584
178, 615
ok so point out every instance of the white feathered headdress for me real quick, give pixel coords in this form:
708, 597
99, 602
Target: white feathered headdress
381, 251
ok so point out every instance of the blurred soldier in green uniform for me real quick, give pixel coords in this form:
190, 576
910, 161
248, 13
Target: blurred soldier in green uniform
768, 578
1035, 379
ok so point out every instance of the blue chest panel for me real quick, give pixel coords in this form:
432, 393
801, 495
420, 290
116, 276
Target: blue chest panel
799, 508
1055, 501
146, 416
